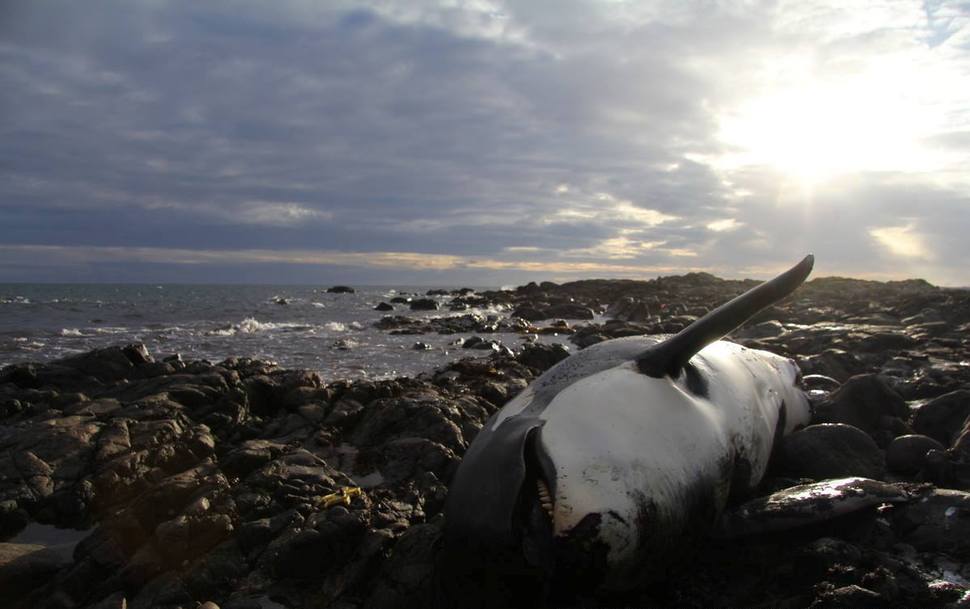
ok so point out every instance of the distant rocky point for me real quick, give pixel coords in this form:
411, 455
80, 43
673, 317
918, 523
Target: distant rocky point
340, 289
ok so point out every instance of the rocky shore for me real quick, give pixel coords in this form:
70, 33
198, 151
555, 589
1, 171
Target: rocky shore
243, 485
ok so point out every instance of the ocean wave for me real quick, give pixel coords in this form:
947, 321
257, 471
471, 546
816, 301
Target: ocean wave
335, 326
251, 325
14, 300
75, 301
319, 305
70, 332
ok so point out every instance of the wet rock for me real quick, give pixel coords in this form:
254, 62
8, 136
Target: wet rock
110, 363
832, 450
851, 596
817, 557
458, 304
632, 309
887, 341
384, 307
12, 519
938, 522
530, 313
542, 357
345, 344
419, 346
765, 329
569, 311
472, 342
138, 354
406, 579
417, 415
943, 418
864, 401
835, 363
344, 412
907, 454
25, 567
424, 304
814, 382
340, 289
116, 600
312, 552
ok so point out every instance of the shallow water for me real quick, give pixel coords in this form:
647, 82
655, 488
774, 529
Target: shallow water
61, 541
330, 333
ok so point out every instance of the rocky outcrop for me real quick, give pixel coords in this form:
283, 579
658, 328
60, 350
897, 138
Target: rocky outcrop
238, 481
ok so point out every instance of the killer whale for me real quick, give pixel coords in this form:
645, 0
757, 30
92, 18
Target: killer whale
616, 456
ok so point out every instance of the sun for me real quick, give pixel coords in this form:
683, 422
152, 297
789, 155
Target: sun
816, 130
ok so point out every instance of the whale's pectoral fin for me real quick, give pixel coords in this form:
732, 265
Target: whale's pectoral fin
669, 357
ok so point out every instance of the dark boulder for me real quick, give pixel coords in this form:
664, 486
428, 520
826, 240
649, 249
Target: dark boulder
944, 417
384, 307
836, 363
907, 454
542, 357
472, 342
569, 311
831, 450
865, 401
424, 304
340, 289
629, 308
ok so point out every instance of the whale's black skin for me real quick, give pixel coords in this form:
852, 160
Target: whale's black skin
495, 529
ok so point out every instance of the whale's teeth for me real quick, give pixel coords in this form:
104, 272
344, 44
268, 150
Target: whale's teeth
545, 497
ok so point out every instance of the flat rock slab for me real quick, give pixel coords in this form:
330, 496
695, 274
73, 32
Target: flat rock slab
810, 504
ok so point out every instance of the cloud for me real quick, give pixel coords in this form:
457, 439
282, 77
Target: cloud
725, 224
902, 241
274, 213
650, 135
42, 255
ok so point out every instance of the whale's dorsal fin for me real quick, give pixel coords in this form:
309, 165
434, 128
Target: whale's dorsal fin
669, 357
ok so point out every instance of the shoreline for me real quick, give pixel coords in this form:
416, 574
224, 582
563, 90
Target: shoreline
221, 482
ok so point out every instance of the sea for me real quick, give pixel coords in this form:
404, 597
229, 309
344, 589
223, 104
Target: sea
333, 334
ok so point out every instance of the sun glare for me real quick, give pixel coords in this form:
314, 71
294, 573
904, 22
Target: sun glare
815, 130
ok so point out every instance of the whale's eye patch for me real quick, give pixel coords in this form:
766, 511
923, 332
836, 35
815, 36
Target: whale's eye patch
696, 382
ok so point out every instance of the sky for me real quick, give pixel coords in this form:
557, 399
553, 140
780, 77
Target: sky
482, 142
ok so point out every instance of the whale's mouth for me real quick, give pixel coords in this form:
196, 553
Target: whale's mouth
534, 515
498, 543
